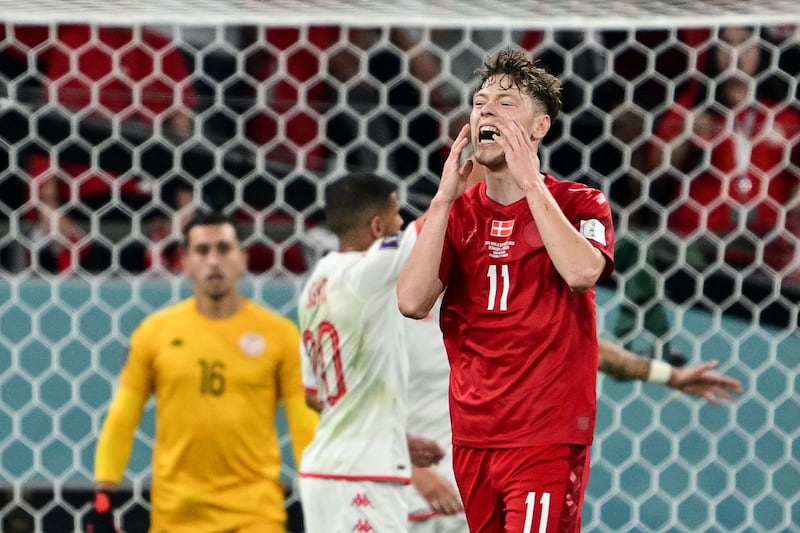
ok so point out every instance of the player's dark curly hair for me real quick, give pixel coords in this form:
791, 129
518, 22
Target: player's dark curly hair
534, 81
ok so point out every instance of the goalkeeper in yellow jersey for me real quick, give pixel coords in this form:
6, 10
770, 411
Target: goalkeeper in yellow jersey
218, 365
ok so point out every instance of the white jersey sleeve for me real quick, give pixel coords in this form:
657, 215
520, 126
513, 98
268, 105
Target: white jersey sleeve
383, 261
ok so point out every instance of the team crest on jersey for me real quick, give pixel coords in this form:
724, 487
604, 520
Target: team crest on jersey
501, 228
252, 344
391, 241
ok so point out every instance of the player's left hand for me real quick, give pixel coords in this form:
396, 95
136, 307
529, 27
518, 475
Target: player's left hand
520, 153
424, 452
701, 380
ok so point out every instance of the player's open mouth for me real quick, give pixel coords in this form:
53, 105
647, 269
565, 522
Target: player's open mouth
487, 134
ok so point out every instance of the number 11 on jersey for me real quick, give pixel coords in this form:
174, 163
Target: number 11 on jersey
504, 281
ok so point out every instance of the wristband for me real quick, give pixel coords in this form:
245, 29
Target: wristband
659, 372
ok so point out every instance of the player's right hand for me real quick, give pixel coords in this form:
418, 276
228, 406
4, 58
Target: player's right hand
455, 173
101, 519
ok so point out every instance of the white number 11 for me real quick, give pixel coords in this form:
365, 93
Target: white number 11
530, 502
492, 275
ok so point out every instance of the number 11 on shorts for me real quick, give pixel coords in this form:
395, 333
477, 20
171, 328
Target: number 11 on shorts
530, 503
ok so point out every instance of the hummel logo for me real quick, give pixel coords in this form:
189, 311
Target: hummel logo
177, 342
362, 525
361, 500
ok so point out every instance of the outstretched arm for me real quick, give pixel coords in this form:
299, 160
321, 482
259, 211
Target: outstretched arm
698, 380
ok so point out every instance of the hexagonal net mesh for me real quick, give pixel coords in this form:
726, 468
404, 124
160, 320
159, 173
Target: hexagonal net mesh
117, 123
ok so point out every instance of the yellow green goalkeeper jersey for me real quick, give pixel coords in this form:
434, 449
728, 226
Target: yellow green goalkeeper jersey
217, 384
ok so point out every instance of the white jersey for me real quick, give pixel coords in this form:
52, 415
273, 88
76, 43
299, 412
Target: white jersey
355, 360
429, 408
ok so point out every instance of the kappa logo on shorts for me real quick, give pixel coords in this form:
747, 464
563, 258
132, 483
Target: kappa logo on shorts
362, 525
361, 500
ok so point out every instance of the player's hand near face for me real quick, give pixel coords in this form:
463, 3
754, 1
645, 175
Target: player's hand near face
522, 158
454, 173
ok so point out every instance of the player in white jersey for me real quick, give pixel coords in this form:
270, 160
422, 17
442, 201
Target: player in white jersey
434, 505
355, 366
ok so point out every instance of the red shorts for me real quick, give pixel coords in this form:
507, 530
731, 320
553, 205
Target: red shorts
519, 490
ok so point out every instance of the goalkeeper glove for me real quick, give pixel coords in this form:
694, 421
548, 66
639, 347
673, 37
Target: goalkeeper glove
101, 519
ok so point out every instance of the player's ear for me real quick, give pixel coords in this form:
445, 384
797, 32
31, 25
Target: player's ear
376, 227
541, 126
245, 259
184, 254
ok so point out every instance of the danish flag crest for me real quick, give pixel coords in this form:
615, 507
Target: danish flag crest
501, 228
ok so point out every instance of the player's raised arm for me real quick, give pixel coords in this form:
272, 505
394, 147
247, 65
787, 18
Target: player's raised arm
418, 285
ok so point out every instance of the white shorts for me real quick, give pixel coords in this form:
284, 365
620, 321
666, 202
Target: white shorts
337, 506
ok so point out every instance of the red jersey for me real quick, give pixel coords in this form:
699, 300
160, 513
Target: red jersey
522, 346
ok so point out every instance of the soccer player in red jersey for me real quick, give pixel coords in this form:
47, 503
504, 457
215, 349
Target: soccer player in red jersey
518, 256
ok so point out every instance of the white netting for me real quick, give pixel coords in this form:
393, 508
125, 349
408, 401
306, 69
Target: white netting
253, 107
453, 14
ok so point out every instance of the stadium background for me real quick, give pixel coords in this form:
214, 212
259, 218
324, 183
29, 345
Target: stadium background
662, 462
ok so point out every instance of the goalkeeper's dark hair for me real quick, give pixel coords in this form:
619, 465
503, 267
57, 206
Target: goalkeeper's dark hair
534, 81
209, 218
352, 200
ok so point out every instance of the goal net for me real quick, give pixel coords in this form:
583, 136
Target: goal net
119, 120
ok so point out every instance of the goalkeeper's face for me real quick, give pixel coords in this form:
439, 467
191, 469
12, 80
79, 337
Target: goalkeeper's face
214, 261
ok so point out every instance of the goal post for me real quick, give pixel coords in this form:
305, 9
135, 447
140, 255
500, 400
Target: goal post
141, 110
